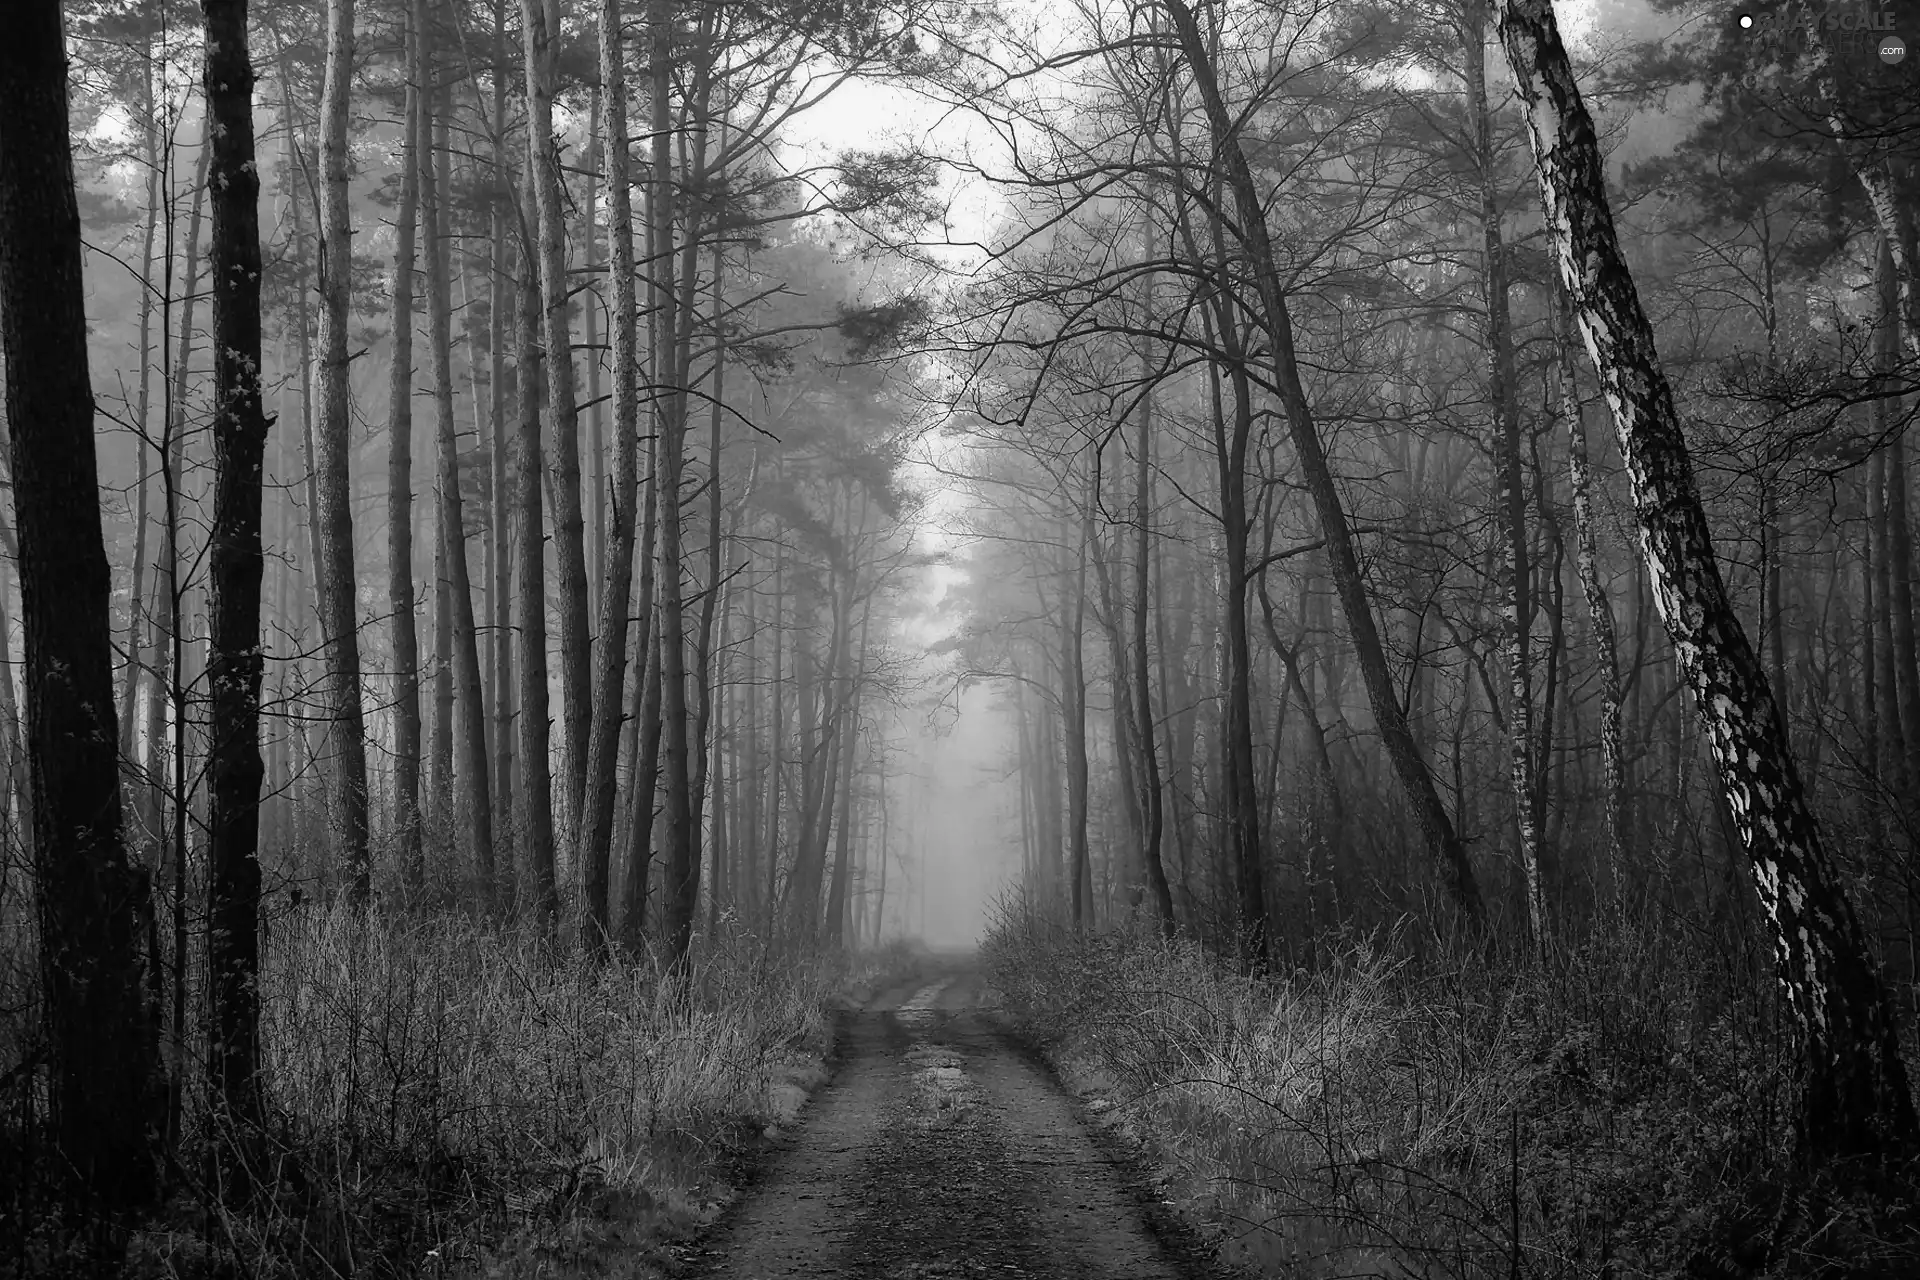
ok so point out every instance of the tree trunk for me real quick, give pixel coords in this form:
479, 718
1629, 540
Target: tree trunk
1242, 802
1881, 555
167, 675
104, 1085
1856, 1100
530, 604
1899, 542
539, 18
1151, 799
603, 750
1517, 571
137, 592
235, 566
837, 897
476, 790
682, 890
597, 478
1073, 676
400, 598
645, 785
500, 557
1599, 610
339, 621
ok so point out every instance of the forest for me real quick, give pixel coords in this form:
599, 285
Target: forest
659, 637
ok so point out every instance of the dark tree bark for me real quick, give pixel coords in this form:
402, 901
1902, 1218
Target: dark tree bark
1073, 682
235, 566
603, 747
333, 517
1856, 1100
1153, 810
682, 888
1898, 543
105, 1089
540, 19
400, 599
476, 794
500, 635
837, 894
530, 600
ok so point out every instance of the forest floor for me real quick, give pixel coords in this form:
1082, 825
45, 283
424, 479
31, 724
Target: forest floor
943, 1149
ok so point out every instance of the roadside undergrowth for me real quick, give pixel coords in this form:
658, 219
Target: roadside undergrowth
448, 1098
1618, 1110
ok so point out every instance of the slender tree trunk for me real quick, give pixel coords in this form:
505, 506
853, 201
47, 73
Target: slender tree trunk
1242, 802
499, 543
1599, 609
1150, 794
339, 621
597, 477
1869, 650
235, 564
167, 675
14, 789
400, 598
1517, 572
1856, 1099
1074, 677
476, 782
837, 897
170, 778
603, 749
536, 805
776, 735
439, 805
568, 524
137, 593
1899, 541
1887, 664
104, 1083
682, 891
646, 781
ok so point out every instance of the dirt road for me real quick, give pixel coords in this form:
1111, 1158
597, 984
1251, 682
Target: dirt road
941, 1150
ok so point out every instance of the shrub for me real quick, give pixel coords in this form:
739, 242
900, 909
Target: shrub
1601, 1113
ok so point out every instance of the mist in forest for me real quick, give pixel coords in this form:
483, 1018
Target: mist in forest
622, 545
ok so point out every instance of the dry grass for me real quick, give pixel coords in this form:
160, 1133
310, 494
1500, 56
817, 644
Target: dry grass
1602, 1114
449, 1098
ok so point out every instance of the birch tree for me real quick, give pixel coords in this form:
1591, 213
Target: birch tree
1856, 1099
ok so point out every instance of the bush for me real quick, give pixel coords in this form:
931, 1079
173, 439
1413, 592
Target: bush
1608, 1112
448, 1096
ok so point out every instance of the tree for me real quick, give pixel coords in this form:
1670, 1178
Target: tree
457, 586
333, 518
235, 665
530, 599
1517, 571
595, 831
106, 1091
400, 599
1856, 1100
541, 22
682, 892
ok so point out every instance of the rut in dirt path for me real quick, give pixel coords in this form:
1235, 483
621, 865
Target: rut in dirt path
941, 1151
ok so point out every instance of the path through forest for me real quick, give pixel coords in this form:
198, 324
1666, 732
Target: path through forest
943, 1150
